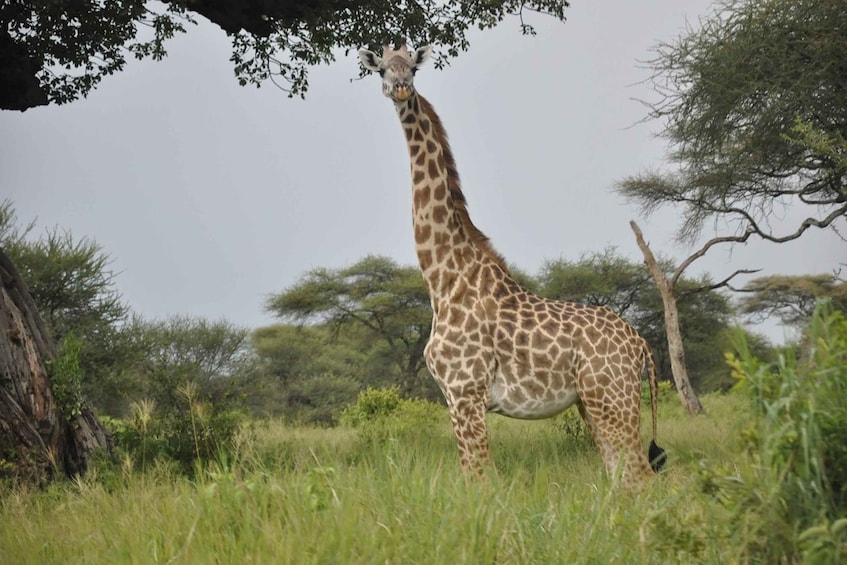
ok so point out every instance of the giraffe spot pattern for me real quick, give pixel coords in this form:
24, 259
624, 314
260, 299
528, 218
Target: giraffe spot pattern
496, 346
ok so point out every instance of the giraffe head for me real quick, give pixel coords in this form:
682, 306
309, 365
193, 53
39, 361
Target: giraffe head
397, 69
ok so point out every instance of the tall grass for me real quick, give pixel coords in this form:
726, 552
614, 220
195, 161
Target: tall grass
789, 501
302, 495
389, 490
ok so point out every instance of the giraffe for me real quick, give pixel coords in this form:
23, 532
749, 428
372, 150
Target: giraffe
495, 347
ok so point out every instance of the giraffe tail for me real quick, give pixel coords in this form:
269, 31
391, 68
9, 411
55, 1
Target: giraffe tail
655, 454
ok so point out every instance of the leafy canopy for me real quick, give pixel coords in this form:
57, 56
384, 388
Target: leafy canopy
792, 299
755, 113
383, 303
56, 52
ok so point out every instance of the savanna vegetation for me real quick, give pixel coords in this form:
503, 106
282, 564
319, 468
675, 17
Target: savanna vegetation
321, 438
760, 480
341, 331
315, 438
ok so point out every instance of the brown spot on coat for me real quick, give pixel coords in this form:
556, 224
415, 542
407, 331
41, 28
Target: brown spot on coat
432, 169
422, 234
439, 214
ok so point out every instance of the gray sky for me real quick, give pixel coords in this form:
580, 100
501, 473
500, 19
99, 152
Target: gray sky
210, 196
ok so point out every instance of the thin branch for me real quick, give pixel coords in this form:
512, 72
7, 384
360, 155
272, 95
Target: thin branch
702, 251
723, 283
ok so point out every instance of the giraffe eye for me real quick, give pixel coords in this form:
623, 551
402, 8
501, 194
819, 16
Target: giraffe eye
414, 70
382, 72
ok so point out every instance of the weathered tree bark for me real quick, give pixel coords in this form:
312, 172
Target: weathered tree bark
36, 444
675, 348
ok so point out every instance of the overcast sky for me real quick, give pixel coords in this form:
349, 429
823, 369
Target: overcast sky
210, 196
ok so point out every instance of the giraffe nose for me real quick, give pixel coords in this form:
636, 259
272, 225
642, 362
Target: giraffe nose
402, 92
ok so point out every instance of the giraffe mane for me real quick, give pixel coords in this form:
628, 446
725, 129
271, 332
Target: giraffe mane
460, 203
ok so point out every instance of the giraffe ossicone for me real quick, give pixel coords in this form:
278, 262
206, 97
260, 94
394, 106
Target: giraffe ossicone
494, 346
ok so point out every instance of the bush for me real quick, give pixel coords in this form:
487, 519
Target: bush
320, 399
187, 432
66, 378
372, 403
666, 390
789, 500
572, 425
380, 414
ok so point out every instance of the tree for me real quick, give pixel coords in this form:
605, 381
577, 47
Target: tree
792, 299
40, 437
307, 373
388, 304
756, 119
55, 52
74, 290
203, 350
598, 279
668, 290
755, 115
181, 350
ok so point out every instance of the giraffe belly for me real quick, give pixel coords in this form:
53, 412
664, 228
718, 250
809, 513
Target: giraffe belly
528, 403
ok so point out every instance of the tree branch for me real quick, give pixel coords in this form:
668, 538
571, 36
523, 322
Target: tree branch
723, 283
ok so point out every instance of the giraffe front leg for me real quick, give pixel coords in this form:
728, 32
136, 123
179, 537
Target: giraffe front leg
468, 417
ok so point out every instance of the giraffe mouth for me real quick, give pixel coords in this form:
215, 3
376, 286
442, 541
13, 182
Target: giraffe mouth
402, 93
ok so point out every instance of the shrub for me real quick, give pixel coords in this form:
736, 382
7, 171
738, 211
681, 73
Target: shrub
66, 378
372, 403
574, 428
186, 432
320, 399
788, 501
380, 414
666, 391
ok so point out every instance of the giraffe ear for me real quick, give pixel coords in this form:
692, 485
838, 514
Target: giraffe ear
421, 55
370, 60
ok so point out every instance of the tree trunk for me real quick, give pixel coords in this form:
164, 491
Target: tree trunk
675, 349
36, 444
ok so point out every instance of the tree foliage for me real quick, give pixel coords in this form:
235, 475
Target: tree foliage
75, 291
755, 114
386, 304
306, 373
199, 349
603, 278
55, 52
792, 299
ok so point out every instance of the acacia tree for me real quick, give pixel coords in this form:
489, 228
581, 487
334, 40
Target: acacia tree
755, 116
792, 299
668, 290
387, 301
55, 52
603, 278
756, 119
73, 287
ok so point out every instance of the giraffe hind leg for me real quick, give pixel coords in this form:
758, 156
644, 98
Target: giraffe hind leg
607, 453
617, 424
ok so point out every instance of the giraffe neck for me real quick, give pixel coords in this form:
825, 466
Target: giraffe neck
447, 242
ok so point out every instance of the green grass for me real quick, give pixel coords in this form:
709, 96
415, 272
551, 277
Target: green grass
302, 495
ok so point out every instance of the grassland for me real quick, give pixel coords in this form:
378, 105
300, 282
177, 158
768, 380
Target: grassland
342, 495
